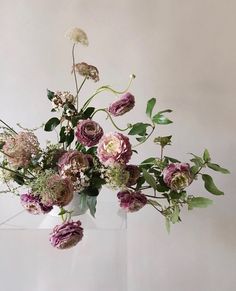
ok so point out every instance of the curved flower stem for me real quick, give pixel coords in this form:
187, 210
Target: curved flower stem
80, 87
10, 128
150, 196
17, 173
75, 77
138, 144
150, 202
112, 121
104, 88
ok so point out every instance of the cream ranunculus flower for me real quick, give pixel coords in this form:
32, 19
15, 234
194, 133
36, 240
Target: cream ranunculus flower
77, 35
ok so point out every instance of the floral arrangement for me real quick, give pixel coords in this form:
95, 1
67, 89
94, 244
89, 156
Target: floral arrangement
87, 158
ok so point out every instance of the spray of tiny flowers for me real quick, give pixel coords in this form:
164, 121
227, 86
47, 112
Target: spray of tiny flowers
86, 158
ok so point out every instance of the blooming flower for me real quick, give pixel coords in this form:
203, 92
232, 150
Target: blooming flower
66, 235
88, 71
33, 204
53, 189
131, 201
21, 148
123, 105
77, 35
134, 174
114, 148
89, 132
177, 176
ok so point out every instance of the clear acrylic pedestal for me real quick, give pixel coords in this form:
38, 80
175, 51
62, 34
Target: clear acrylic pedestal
97, 263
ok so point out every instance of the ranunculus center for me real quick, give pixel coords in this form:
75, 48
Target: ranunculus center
112, 146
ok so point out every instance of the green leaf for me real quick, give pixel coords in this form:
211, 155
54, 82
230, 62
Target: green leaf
150, 105
159, 118
175, 214
163, 140
18, 179
92, 202
139, 129
91, 191
51, 124
167, 224
198, 161
172, 160
199, 202
217, 168
141, 139
149, 179
175, 195
88, 112
206, 156
194, 169
50, 95
62, 135
210, 186
69, 138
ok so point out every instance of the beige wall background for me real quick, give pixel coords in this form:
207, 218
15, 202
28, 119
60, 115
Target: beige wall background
183, 52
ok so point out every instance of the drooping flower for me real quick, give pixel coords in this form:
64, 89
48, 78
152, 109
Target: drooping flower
114, 148
89, 132
123, 105
116, 176
132, 201
61, 98
134, 174
32, 203
66, 235
88, 71
21, 148
177, 176
77, 35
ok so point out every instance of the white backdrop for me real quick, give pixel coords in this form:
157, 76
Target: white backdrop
182, 52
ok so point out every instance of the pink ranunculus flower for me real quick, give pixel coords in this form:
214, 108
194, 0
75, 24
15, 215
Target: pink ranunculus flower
58, 191
132, 201
33, 204
114, 148
89, 132
122, 105
66, 235
177, 176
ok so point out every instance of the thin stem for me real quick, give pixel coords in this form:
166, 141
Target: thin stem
155, 196
155, 207
8, 126
75, 77
17, 173
80, 87
112, 121
104, 88
162, 148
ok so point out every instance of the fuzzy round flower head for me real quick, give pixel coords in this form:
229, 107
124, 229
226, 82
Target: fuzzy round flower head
33, 204
21, 148
114, 148
132, 201
123, 105
177, 176
89, 132
77, 35
116, 176
53, 189
134, 174
88, 71
66, 235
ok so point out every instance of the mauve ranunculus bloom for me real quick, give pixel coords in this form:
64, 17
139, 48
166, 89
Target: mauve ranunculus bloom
122, 105
114, 148
66, 235
177, 176
59, 191
132, 201
33, 204
74, 161
89, 132
134, 174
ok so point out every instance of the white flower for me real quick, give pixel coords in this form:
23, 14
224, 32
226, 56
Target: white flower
77, 35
